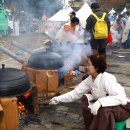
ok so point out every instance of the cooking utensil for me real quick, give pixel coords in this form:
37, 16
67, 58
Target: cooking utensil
13, 82
40, 60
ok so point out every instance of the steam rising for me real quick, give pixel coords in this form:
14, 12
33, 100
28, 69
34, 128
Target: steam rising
73, 54
35, 7
79, 52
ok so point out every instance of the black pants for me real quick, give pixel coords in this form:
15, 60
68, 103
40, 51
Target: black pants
99, 45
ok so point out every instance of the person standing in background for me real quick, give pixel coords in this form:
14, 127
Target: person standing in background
126, 33
72, 14
96, 44
69, 32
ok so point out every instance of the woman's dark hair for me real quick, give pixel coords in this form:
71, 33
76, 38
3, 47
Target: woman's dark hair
75, 20
72, 13
99, 62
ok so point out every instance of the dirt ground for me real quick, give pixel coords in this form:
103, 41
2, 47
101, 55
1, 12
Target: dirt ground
63, 116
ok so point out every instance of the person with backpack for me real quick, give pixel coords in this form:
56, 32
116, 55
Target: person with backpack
98, 24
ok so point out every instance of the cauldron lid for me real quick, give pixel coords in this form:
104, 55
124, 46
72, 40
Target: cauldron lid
9, 74
13, 82
45, 60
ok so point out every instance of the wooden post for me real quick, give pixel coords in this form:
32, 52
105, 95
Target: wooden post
35, 99
9, 119
68, 78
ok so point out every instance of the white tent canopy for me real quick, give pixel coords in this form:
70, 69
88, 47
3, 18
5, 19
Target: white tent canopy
83, 13
112, 11
124, 10
66, 2
61, 15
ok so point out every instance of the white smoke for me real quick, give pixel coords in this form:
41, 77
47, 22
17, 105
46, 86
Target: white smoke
36, 8
78, 53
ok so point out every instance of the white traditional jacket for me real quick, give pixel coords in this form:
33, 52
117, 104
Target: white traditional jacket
104, 88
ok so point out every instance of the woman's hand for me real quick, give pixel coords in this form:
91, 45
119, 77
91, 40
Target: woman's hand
95, 107
54, 101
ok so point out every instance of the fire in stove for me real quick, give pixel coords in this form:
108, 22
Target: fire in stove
21, 109
25, 104
28, 108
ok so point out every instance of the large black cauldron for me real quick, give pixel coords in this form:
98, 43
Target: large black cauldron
39, 60
13, 82
45, 60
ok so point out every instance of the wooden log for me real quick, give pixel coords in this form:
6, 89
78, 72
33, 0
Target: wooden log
9, 120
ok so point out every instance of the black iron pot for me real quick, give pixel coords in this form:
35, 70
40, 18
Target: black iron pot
45, 60
13, 82
39, 60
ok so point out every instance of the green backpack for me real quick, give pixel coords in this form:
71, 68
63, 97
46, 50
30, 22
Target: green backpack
100, 30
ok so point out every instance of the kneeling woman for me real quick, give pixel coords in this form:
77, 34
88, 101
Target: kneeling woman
106, 101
